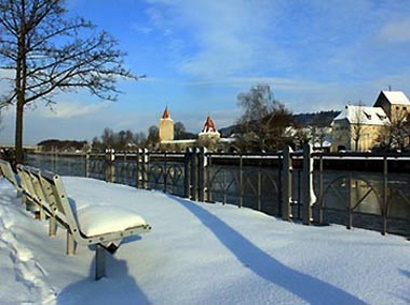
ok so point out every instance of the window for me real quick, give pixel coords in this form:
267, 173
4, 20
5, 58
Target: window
381, 117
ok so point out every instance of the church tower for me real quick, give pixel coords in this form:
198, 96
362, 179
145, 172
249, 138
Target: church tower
166, 127
209, 130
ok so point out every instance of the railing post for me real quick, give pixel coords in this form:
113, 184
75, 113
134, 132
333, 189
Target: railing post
87, 165
308, 196
187, 169
286, 183
202, 165
138, 182
110, 169
142, 168
209, 196
147, 160
321, 191
350, 214
241, 184
385, 190
259, 190
165, 173
194, 175
279, 197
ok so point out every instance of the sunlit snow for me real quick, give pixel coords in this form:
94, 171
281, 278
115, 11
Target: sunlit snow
198, 253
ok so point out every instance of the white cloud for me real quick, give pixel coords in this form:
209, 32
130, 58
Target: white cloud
222, 37
276, 83
68, 110
142, 29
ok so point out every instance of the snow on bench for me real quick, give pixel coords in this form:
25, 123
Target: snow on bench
87, 224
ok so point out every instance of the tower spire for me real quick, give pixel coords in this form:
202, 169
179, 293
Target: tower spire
166, 114
209, 125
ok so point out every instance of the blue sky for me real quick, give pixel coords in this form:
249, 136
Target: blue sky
200, 54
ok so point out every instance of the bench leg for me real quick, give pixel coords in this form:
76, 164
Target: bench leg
71, 244
99, 262
42, 214
52, 226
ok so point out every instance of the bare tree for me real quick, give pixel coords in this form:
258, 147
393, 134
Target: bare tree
400, 129
357, 124
140, 138
108, 138
396, 134
179, 130
264, 121
153, 136
49, 53
96, 145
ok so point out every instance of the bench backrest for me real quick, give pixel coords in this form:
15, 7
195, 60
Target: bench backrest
27, 183
57, 198
39, 189
9, 174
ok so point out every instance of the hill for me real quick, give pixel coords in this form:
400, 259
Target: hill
322, 118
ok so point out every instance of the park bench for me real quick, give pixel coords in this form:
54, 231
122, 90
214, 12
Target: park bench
86, 226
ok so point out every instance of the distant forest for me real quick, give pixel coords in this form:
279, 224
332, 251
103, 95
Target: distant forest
322, 118
62, 145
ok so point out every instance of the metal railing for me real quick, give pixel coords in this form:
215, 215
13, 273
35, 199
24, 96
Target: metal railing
356, 190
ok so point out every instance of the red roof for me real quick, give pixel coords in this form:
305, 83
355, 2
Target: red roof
166, 115
209, 125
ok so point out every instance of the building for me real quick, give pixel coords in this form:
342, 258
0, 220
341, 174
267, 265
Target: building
166, 127
209, 136
209, 131
395, 104
357, 128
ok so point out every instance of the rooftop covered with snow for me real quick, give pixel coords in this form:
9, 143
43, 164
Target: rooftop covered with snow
396, 97
357, 114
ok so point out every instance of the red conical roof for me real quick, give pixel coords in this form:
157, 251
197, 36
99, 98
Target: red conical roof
166, 115
209, 125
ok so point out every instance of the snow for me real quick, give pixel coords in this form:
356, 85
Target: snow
198, 253
396, 97
94, 204
100, 220
363, 115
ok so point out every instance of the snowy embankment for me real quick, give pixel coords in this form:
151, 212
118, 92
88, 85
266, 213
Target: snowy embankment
198, 253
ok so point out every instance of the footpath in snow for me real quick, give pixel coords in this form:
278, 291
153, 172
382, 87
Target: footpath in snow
198, 253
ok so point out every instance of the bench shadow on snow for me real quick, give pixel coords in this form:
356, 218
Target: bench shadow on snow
308, 288
119, 287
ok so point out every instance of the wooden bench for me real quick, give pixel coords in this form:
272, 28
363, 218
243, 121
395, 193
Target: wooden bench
85, 226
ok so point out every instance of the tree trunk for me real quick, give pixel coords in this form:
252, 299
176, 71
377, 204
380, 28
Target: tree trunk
20, 83
19, 132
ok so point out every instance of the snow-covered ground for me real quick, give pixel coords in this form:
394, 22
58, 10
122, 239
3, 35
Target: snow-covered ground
198, 253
